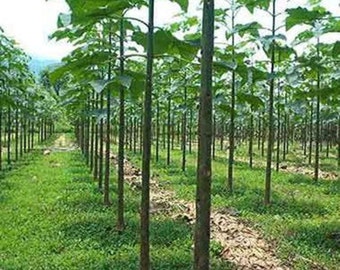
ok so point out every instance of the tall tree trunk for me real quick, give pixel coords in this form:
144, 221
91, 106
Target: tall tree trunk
190, 130
96, 142
16, 134
108, 130
9, 133
339, 141
317, 124
145, 203
278, 132
232, 111
184, 130
120, 203
101, 146
1, 134
310, 134
93, 123
270, 114
157, 130
169, 133
203, 191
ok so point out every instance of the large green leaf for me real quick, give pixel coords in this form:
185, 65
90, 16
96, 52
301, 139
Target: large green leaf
252, 100
99, 85
301, 15
184, 4
336, 49
249, 28
166, 43
252, 4
92, 11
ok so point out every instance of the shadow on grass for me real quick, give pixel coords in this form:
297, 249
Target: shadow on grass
249, 198
325, 237
328, 186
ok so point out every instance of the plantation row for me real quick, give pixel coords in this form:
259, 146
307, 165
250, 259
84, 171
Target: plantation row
27, 108
277, 102
267, 110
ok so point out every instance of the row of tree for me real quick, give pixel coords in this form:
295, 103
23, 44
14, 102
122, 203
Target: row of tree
282, 99
27, 109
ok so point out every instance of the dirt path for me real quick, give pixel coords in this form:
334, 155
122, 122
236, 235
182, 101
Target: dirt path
242, 245
61, 144
297, 169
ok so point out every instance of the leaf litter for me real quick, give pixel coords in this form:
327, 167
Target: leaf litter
241, 244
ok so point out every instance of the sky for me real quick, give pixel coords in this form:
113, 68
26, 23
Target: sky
30, 22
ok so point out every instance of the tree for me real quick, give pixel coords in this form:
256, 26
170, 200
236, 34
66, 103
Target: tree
203, 190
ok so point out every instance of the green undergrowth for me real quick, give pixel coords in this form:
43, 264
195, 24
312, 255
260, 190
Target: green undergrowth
303, 220
52, 217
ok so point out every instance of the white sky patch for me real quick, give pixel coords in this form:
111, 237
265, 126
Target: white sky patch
30, 22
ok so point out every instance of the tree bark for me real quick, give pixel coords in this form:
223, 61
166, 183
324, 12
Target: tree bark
145, 203
203, 191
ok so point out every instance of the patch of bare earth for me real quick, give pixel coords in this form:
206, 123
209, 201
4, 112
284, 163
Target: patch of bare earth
61, 144
297, 169
242, 245
309, 172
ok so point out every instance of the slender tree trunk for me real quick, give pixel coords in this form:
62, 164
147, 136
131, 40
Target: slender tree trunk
96, 142
92, 146
157, 130
169, 133
232, 112
135, 135
251, 140
310, 134
203, 196
1, 142
16, 134
21, 136
317, 124
145, 203
278, 132
9, 133
184, 130
263, 134
141, 134
190, 130
120, 203
108, 132
339, 141
101, 146
214, 138
271, 115
305, 135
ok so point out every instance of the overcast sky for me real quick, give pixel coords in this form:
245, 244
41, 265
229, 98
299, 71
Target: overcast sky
30, 22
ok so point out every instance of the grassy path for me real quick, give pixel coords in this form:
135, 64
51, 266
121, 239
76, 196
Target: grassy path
52, 217
43, 207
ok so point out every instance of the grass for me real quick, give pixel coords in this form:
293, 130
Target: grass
52, 217
301, 220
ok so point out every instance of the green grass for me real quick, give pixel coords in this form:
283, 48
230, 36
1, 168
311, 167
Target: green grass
52, 217
301, 220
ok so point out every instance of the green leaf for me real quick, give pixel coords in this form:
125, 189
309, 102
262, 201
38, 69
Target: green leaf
223, 65
252, 4
125, 80
336, 49
301, 15
165, 42
98, 85
303, 37
249, 28
64, 20
184, 4
252, 100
